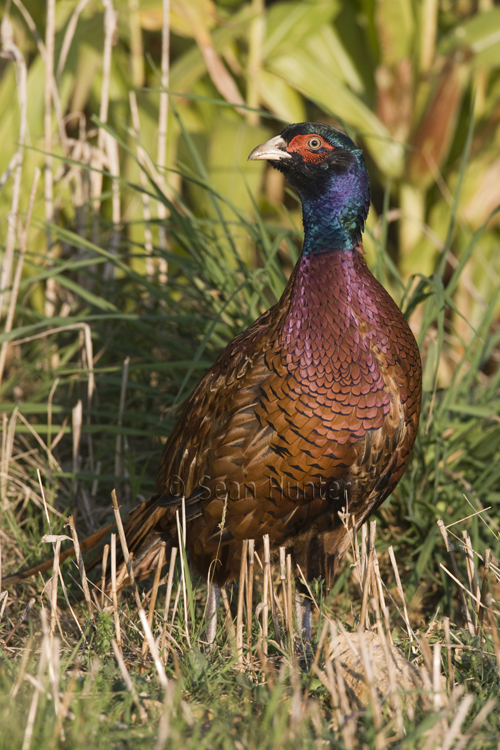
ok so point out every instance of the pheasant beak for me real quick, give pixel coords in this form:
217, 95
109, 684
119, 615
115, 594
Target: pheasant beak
271, 150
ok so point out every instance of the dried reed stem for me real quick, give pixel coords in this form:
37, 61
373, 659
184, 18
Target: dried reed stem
81, 567
251, 557
447, 640
268, 569
484, 587
471, 569
154, 595
105, 555
171, 569
182, 545
123, 542
241, 595
153, 649
465, 609
121, 408
368, 558
53, 592
114, 597
266, 594
289, 596
401, 593
436, 676
283, 585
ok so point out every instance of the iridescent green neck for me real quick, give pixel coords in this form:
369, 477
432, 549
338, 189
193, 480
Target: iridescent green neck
334, 216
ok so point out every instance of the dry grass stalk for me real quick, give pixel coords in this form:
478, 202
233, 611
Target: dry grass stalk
265, 596
53, 591
76, 419
241, 596
3, 600
367, 556
451, 673
127, 680
68, 36
121, 408
464, 588
401, 593
283, 584
268, 568
251, 558
176, 603
484, 587
114, 597
465, 608
289, 595
471, 569
182, 541
123, 542
81, 567
381, 596
154, 594
168, 595
153, 648
105, 555
436, 677
363, 556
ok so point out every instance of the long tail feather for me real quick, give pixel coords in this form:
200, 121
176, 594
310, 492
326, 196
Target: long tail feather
89, 543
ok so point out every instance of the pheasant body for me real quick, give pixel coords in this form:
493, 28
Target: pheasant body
308, 418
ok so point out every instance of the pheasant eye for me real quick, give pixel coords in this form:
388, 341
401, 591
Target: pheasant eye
314, 143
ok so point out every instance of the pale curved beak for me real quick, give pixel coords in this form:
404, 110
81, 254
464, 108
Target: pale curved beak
271, 150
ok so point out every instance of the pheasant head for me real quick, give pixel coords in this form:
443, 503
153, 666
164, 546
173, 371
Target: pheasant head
328, 172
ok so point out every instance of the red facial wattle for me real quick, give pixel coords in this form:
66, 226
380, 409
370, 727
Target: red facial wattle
312, 147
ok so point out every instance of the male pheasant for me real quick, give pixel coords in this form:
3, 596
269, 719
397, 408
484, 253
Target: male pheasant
310, 415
